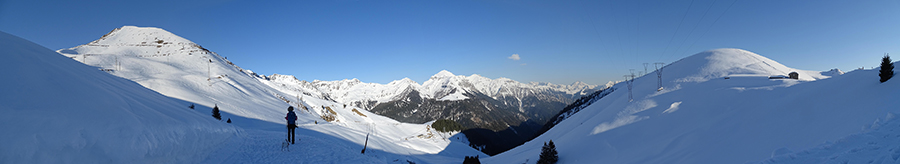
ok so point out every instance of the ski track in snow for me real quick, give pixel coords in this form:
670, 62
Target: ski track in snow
258, 146
878, 145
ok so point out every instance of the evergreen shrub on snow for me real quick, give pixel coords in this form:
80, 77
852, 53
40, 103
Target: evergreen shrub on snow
215, 113
548, 154
471, 160
887, 69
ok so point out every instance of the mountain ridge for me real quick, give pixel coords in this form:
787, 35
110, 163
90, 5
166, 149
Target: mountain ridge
474, 82
522, 98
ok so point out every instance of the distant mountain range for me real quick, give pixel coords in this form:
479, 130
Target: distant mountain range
473, 101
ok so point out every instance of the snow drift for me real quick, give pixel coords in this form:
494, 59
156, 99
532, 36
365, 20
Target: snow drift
56, 110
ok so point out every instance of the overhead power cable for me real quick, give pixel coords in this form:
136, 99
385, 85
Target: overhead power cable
677, 28
710, 26
695, 28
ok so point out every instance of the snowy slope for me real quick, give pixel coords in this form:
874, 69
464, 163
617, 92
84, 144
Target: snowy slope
179, 68
702, 117
56, 110
878, 145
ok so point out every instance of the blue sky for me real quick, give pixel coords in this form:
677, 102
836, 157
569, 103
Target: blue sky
556, 41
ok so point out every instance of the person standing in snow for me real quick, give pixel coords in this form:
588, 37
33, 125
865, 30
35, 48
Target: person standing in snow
291, 123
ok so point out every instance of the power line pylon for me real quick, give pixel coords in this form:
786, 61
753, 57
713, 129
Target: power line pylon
645, 69
659, 66
629, 81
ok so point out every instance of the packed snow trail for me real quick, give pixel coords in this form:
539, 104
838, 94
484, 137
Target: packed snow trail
259, 146
263, 145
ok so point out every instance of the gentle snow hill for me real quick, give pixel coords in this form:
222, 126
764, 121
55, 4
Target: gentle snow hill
56, 110
179, 68
702, 117
722, 63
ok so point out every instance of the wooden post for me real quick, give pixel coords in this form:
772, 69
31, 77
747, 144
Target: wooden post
366, 144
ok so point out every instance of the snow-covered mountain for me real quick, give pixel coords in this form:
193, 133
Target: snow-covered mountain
409, 101
178, 68
720, 106
56, 110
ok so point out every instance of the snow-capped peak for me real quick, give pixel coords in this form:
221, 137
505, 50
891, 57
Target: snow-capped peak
579, 83
443, 73
140, 42
833, 72
140, 35
402, 81
286, 78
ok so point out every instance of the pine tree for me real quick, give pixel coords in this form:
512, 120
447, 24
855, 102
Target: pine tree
471, 160
548, 154
887, 69
215, 113
229, 120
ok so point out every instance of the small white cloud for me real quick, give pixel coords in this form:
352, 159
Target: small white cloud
524, 64
514, 57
